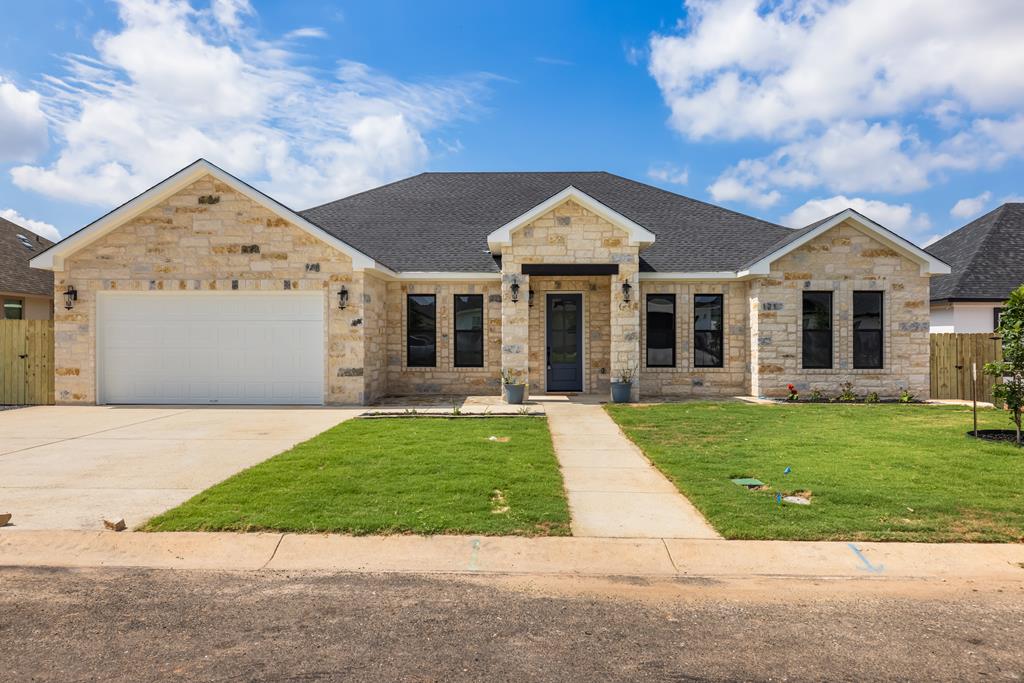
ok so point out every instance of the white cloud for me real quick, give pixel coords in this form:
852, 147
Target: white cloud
969, 207
745, 67
176, 83
669, 173
306, 32
838, 86
39, 227
900, 218
22, 124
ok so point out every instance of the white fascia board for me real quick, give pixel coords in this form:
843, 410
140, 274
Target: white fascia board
929, 264
53, 258
638, 235
439, 275
697, 275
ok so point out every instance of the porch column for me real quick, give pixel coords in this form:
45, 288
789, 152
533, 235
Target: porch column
625, 325
515, 326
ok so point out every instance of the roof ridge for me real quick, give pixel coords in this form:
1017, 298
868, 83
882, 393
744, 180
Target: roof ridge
367, 190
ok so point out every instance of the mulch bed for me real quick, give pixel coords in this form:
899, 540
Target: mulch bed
1004, 435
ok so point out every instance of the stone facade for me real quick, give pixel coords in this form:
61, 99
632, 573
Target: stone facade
571, 234
190, 243
183, 244
842, 261
444, 378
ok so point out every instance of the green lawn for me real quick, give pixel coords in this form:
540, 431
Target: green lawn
418, 475
875, 472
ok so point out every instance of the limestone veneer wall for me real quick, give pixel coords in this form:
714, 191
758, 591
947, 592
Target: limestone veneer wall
843, 260
445, 378
685, 379
183, 245
570, 234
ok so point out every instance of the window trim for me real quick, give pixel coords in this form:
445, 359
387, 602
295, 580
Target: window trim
831, 330
997, 313
20, 305
455, 331
647, 329
408, 336
880, 330
720, 330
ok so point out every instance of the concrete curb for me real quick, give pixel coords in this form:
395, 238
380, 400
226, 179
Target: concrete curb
512, 555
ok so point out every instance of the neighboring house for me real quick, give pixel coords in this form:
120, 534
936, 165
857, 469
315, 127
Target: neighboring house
25, 293
987, 258
205, 290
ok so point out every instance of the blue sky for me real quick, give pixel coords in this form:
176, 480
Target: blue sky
788, 110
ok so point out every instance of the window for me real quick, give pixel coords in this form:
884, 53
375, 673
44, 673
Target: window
469, 330
817, 330
14, 309
997, 313
661, 330
707, 331
867, 329
421, 331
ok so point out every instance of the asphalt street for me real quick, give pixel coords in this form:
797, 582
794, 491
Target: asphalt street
150, 625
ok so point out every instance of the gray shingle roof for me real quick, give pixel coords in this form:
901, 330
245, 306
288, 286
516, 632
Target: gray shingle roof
15, 274
440, 221
986, 256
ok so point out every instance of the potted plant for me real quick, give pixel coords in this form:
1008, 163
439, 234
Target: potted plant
512, 387
622, 385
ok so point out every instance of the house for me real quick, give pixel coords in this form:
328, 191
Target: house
205, 290
987, 258
25, 293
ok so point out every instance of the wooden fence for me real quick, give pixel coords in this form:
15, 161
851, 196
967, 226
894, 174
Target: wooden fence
952, 355
26, 362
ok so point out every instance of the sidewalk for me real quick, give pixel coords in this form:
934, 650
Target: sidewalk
613, 491
567, 556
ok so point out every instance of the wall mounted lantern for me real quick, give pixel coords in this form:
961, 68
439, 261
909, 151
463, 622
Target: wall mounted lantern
626, 289
531, 298
515, 291
70, 297
343, 298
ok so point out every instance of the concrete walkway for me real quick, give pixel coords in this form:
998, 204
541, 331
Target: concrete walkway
514, 555
613, 490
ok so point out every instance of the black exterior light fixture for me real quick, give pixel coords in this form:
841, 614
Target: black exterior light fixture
627, 290
70, 297
515, 291
343, 298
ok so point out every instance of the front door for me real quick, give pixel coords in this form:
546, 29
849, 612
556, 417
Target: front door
565, 342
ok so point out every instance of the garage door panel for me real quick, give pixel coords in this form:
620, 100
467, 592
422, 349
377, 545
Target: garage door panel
211, 348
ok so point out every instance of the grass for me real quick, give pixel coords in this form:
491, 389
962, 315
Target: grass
875, 472
381, 476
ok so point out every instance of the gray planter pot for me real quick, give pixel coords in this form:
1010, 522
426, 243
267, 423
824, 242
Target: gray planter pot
621, 392
514, 393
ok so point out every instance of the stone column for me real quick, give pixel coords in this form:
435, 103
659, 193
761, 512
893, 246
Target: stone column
515, 325
625, 325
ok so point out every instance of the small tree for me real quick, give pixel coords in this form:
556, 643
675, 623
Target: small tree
1009, 372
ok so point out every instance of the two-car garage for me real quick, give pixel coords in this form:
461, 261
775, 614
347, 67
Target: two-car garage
203, 347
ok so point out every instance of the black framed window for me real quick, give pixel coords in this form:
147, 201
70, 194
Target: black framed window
867, 329
469, 330
817, 330
997, 314
421, 330
708, 346
661, 330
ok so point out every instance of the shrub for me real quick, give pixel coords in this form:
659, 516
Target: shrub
872, 397
816, 395
846, 394
906, 396
1009, 372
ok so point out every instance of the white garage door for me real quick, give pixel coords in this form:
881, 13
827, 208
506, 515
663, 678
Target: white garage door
200, 347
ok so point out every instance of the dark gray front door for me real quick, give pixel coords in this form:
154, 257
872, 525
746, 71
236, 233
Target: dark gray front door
565, 342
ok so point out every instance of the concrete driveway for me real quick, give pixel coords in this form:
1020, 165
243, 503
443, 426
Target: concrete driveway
69, 467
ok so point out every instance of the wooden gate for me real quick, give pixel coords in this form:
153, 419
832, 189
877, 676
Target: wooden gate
952, 355
26, 362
